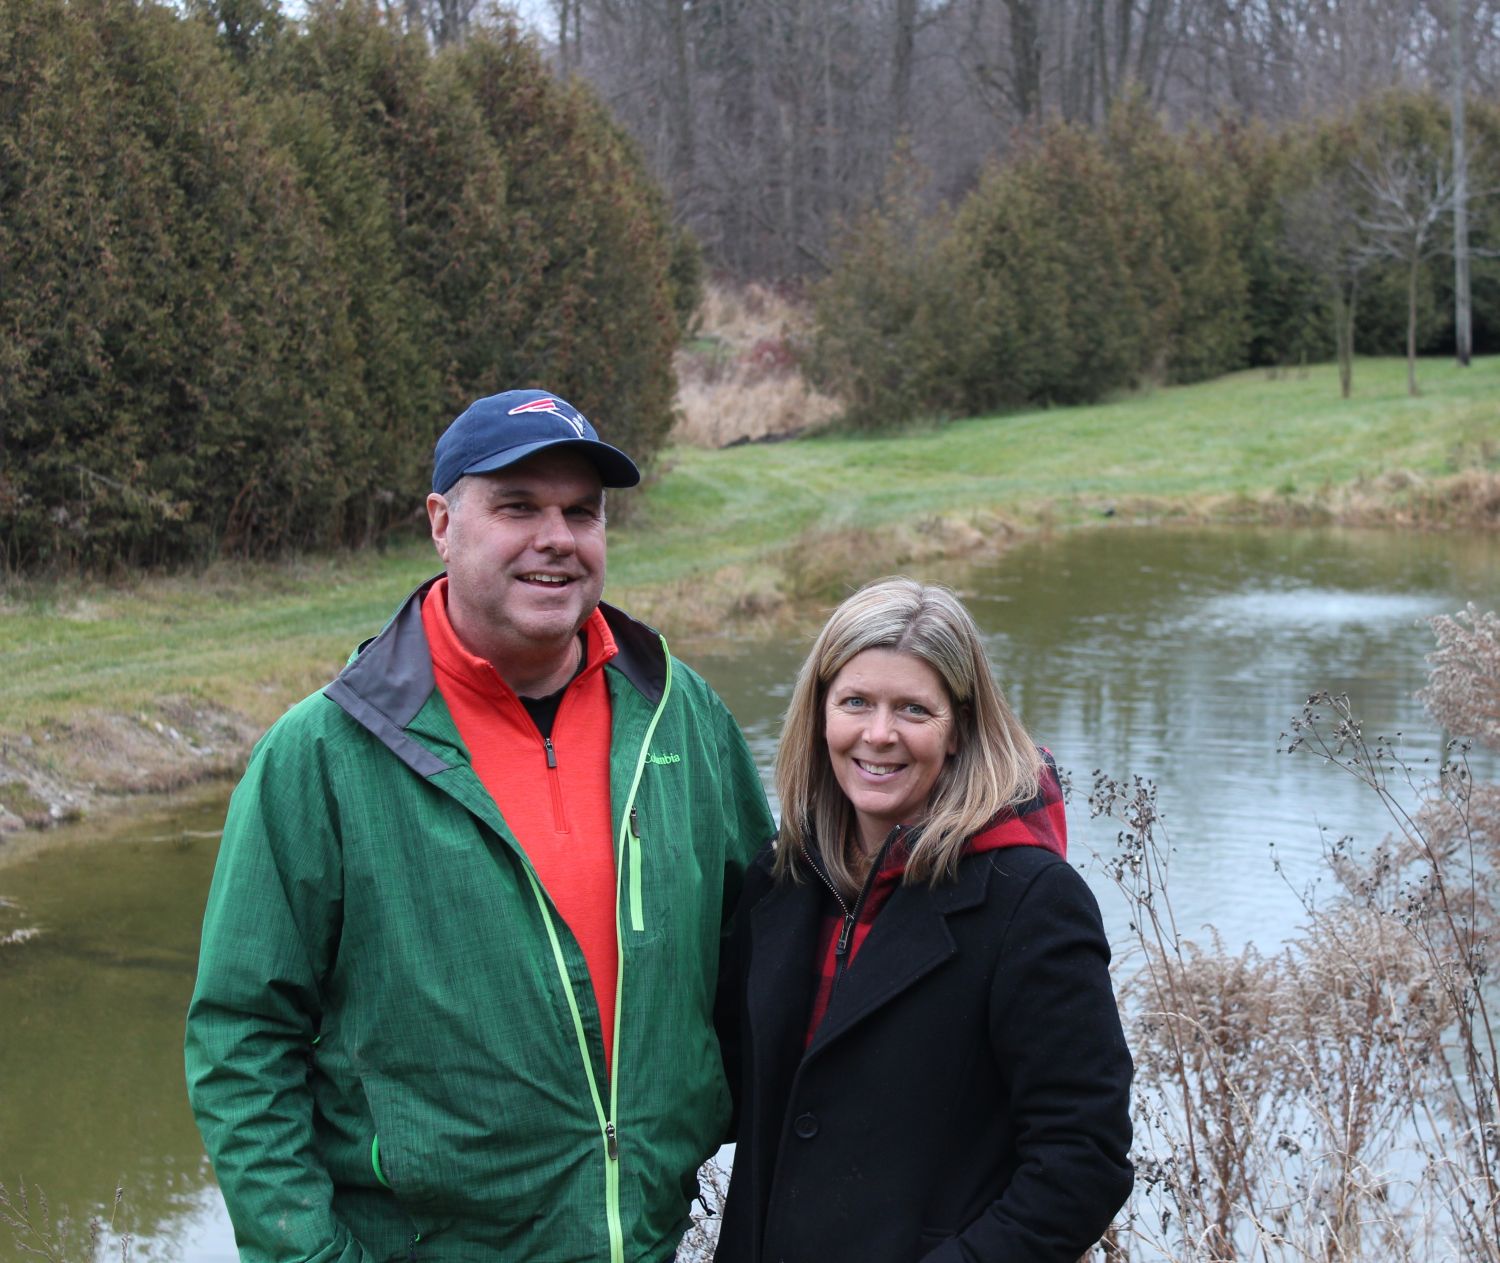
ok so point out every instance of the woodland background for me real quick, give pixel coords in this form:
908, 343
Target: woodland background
256, 257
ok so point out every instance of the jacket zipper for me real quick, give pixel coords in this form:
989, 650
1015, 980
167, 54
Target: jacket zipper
637, 923
608, 1130
851, 916
606, 1124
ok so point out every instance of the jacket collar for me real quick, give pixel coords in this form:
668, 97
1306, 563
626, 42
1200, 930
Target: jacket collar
390, 679
913, 939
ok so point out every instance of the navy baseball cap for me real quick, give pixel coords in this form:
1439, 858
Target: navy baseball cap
499, 430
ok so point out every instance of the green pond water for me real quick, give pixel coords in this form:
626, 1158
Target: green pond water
1175, 655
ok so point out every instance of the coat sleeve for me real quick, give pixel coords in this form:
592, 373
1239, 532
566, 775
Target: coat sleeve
743, 808
269, 935
734, 965
1054, 1022
750, 827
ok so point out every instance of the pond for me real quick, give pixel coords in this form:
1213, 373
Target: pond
1175, 655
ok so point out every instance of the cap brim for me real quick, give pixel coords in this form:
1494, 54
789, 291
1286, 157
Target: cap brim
615, 468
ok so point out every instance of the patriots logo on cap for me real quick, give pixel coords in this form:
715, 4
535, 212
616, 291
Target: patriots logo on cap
555, 407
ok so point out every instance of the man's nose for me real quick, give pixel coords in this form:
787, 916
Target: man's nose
552, 532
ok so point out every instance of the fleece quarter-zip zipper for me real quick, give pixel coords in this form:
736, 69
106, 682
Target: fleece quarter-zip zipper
554, 783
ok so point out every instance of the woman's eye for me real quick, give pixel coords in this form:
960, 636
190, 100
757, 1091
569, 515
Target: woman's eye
916, 708
854, 703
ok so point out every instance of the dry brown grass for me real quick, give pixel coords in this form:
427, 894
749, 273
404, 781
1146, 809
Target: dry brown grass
795, 587
740, 380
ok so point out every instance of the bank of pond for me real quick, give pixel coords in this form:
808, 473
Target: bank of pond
1176, 655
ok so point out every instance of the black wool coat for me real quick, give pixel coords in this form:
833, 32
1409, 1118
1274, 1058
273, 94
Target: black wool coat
965, 1098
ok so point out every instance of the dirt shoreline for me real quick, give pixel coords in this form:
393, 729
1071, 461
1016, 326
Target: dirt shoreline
97, 764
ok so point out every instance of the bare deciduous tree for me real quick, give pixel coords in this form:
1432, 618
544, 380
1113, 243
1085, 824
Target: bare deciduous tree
1321, 229
1407, 193
444, 22
771, 122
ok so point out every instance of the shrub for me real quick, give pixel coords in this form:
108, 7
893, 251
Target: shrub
1093, 262
252, 270
886, 315
1059, 315
166, 287
1181, 197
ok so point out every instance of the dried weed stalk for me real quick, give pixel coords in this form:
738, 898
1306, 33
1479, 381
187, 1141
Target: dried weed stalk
36, 1234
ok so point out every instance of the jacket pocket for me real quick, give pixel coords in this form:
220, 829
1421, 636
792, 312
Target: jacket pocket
642, 913
400, 1160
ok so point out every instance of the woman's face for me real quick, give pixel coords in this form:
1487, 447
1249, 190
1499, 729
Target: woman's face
889, 725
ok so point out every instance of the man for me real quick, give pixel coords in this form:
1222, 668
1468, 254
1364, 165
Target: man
457, 978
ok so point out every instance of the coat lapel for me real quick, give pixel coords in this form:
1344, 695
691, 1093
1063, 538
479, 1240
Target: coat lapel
910, 938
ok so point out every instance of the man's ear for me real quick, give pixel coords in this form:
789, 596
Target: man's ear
440, 520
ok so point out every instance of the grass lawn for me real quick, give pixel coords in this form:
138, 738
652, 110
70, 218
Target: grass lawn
1239, 435
251, 638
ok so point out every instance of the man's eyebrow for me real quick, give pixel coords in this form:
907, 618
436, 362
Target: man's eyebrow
506, 491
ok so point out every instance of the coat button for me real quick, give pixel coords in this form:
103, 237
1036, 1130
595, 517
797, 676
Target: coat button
806, 1126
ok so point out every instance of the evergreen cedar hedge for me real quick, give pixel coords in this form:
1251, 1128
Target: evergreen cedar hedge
250, 272
1096, 261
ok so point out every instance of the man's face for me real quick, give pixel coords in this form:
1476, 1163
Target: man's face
524, 548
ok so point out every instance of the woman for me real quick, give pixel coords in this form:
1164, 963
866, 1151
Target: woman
930, 1055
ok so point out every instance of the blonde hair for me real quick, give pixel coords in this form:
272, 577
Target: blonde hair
996, 764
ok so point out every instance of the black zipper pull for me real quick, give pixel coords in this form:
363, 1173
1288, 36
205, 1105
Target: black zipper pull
551, 756
842, 946
635, 831
611, 1142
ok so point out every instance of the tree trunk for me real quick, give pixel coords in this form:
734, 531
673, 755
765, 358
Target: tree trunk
1026, 58
1411, 324
1099, 54
902, 51
679, 93
1463, 311
568, 23
1343, 336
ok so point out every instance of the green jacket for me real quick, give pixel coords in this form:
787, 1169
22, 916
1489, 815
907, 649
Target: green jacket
393, 1048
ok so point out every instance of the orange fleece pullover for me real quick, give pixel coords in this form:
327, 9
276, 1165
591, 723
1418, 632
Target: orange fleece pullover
553, 793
